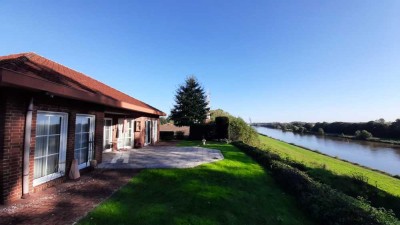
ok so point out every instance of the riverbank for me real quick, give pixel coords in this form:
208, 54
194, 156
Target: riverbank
346, 137
376, 187
314, 159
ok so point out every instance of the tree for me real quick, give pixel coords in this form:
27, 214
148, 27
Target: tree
191, 106
321, 131
363, 135
163, 120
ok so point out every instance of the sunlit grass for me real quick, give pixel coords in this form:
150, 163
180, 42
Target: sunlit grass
311, 159
235, 190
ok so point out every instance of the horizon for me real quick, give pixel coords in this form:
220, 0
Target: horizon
264, 60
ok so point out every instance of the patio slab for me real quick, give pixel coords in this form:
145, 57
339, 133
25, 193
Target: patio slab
160, 157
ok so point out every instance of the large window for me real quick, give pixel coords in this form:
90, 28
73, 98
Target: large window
50, 148
84, 136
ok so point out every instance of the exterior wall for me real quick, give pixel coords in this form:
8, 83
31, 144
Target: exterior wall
13, 109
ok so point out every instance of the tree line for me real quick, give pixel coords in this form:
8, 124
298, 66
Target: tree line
378, 128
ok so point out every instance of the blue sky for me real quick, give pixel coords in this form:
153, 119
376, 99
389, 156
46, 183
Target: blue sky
265, 60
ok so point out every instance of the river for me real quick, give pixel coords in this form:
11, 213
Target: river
380, 156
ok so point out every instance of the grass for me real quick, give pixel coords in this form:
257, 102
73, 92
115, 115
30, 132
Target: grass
322, 163
235, 190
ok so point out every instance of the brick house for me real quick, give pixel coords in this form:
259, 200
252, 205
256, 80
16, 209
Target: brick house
51, 114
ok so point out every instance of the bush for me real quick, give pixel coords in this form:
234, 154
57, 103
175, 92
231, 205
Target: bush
363, 135
321, 131
241, 131
323, 203
200, 131
179, 135
166, 135
222, 127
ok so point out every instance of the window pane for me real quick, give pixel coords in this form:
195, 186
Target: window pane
128, 142
52, 164
85, 124
84, 155
39, 168
41, 145
85, 140
54, 144
78, 124
41, 124
77, 155
77, 141
55, 124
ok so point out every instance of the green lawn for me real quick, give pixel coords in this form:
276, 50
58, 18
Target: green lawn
235, 190
315, 160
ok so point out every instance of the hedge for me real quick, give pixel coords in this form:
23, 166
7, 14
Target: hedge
166, 135
323, 203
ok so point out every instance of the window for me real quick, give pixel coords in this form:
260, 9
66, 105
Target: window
50, 148
84, 136
125, 133
138, 126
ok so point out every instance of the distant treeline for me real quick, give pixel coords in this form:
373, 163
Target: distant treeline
378, 128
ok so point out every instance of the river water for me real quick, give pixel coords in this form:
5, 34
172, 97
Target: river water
384, 157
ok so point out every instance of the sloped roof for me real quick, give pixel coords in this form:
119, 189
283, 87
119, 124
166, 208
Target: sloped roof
86, 81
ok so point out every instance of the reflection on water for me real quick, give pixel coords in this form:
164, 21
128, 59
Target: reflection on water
384, 157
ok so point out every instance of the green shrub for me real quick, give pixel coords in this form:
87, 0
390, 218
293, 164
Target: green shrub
179, 135
200, 131
363, 135
222, 127
166, 135
323, 203
239, 130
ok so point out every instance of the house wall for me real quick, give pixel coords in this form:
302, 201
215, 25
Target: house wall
139, 136
13, 109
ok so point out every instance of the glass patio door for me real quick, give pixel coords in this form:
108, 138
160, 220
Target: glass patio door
125, 134
148, 133
107, 136
50, 147
84, 137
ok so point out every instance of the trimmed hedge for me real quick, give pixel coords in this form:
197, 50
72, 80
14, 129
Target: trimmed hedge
222, 127
323, 203
166, 135
200, 131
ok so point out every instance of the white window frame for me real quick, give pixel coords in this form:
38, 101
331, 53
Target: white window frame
121, 134
62, 151
146, 134
110, 135
154, 127
91, 146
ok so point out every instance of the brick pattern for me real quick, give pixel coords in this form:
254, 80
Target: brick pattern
13, 107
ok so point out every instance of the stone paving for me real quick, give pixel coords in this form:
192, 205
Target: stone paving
160, 157
67, 202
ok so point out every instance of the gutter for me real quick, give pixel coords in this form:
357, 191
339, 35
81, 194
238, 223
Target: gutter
27, 144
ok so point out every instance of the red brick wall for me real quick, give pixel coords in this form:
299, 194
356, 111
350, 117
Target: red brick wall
12, 122
11, 163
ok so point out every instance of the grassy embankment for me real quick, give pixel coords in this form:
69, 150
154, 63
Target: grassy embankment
381, 189
235, 190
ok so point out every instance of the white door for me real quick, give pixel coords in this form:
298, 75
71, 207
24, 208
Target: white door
125, 134
84, 139
155, 133
148, 133
107, 136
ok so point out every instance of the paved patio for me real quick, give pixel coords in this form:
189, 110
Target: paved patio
160, 157
67, 202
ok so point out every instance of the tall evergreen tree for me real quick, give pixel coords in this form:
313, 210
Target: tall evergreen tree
191, 106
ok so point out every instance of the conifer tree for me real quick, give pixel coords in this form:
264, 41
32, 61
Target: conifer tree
191, 106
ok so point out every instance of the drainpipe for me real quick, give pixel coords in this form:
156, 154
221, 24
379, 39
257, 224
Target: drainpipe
27, 144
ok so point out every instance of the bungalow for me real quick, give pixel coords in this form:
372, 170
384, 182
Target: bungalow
51, 114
